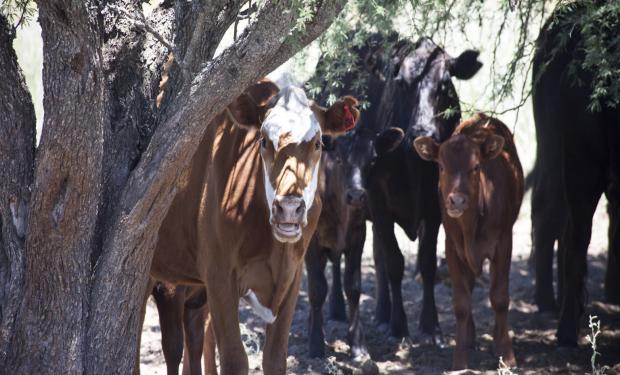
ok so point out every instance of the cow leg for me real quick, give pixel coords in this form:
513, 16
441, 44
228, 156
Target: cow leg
462, 286
316, 258
382, 291
170, 308
548, 221
209, 344
276, 342
583, 190
395, 265
353, 289
427, 264
612, 274
336, 298
500, 298
223, 301
193, 324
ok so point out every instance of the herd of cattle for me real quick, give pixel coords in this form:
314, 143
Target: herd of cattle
279, 180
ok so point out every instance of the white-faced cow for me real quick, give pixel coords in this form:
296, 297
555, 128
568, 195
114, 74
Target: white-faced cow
245, 212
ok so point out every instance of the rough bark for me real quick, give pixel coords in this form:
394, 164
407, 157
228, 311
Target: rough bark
108, 161
49, 335
17, 139
150, 188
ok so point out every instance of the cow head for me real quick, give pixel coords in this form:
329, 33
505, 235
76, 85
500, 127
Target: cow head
290, 148
460, 159
343, 169
424, 97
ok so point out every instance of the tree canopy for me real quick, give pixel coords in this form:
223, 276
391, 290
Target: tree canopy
516, 25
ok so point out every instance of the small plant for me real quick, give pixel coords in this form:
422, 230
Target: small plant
595, 330
503, 368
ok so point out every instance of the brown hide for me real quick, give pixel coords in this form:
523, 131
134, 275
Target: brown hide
217, 233
479, 165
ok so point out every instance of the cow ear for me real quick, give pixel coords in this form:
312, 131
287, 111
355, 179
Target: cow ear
339, 118
466, 65
427, 148
492, 146
388, 140
250, 107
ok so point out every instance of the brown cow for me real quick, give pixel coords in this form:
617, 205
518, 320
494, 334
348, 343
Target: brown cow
245, 212
481, 189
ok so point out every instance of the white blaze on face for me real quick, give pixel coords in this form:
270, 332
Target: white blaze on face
292, 115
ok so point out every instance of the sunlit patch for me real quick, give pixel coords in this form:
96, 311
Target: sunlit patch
292, 118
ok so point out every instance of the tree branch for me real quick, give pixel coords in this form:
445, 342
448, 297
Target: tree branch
127, 253
17, 139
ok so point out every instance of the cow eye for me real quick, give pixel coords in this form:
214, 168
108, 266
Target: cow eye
263, 142
318, 144
477, 168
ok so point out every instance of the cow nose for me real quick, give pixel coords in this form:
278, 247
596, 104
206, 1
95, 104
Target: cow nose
356, 197
458, 201
288, 209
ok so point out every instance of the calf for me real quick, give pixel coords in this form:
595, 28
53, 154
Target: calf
341, 230
481, 189
245, 212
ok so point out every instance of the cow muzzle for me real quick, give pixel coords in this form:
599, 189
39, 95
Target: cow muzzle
288, 218
456, 204
356, 197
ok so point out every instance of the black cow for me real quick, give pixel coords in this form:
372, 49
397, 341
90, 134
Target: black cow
410, 94
578, 159
419, 99
341, 230
342, 224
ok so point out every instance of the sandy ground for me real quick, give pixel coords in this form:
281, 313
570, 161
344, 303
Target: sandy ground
533, 334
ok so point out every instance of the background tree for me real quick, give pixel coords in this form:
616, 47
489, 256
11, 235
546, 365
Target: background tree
79, 219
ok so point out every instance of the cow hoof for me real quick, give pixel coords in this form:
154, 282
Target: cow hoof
359, 354
369, 367
404, 350
436, 339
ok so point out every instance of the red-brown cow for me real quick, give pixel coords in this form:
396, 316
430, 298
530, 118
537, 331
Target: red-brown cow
481, 189
245, 212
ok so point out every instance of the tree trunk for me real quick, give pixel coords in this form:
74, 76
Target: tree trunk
108, 162
17, 139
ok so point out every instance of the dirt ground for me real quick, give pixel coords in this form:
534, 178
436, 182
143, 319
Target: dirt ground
533, 334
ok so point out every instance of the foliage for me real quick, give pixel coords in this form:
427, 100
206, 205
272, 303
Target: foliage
17, 12
515, 23
598, 23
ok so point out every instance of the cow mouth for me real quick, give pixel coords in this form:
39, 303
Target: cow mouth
287, 232
454, 213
